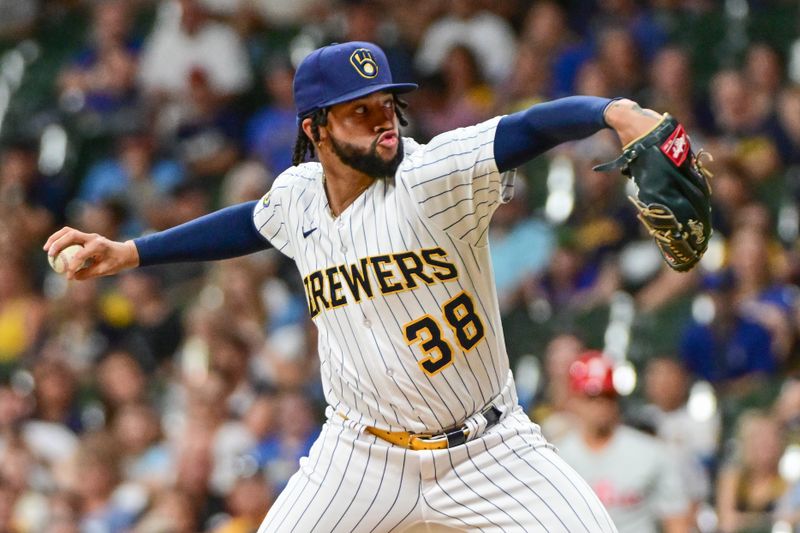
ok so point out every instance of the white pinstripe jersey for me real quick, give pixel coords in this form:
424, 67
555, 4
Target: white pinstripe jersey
400, 285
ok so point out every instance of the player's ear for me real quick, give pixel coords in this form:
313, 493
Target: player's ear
306, 124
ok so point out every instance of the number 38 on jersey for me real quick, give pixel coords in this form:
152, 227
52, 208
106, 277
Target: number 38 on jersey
427, 333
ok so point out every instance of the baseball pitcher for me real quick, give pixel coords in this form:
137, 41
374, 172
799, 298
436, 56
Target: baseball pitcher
423, 429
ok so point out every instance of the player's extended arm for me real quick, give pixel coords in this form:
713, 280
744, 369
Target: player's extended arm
524, 135
226, 233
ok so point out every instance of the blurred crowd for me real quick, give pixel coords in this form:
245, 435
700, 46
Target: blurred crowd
180, 398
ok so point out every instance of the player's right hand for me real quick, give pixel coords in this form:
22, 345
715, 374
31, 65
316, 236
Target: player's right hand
102, 256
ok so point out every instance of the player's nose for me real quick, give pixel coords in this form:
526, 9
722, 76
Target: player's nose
386, 121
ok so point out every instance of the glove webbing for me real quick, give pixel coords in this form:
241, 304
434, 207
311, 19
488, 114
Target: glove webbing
662, 225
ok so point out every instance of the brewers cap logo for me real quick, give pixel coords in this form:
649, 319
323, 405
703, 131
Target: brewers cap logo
364, 64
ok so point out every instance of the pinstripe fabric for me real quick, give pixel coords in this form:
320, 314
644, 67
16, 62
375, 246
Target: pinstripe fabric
401, 288
442, 197
509, 479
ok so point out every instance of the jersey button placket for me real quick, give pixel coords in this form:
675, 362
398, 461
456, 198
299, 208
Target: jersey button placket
339, 224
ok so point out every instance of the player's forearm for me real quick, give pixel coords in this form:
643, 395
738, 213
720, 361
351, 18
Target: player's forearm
522, 136
226, 233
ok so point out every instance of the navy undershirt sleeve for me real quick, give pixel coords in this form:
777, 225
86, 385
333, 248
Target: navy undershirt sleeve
223, 234
522, 136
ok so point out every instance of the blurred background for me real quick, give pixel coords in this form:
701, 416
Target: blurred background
178, 399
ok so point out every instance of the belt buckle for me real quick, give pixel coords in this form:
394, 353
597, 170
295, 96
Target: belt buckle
445, 439
458, 436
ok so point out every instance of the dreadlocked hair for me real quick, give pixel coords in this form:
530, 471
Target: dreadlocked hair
399, 105
303, 145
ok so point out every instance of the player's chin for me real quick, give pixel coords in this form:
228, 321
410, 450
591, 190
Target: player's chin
386, 154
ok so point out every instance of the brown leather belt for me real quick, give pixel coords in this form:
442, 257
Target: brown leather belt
440, 441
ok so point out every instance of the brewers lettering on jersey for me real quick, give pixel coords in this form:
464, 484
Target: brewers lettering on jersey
423, 430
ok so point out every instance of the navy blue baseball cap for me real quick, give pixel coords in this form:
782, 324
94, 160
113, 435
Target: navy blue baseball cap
342, 72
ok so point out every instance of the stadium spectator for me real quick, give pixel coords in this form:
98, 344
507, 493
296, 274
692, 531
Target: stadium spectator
528, 83
172, 510
465, 97
671, 85
242, 304
101, 81
22, 312
618, 56
636, 476
95, 477
733, 191
757, 268
244, 183
55, 398
185, 39
646, 29
764, 71
749, 485
156, 328
204, 131
592, 79
547, 33
271, 132
480, 31
261, 417
553, 409
191, 500
138, 178
693, 438
31, 204
601, 222
145, 456
731, 350
249, 499
521, 246
120, 380
279, 453
230, 359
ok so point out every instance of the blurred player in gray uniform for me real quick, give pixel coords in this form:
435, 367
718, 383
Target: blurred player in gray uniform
423, 427
635, 475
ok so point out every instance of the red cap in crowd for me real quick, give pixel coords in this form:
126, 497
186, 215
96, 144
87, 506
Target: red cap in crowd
592, 374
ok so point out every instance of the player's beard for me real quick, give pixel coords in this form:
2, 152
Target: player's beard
368, 161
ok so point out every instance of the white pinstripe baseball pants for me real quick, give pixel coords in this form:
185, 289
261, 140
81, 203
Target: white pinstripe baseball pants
508, 479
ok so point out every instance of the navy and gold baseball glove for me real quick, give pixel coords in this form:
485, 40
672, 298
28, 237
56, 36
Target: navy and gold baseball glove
674, 198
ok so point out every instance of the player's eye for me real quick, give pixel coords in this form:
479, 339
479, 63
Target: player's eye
360, 110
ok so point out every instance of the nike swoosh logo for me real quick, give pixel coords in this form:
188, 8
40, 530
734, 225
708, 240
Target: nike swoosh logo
309, 232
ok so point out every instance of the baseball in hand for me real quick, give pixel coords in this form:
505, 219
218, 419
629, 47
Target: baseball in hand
60, 263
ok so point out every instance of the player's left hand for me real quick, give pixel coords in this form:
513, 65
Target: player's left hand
102, 256
674, 195
629, 120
